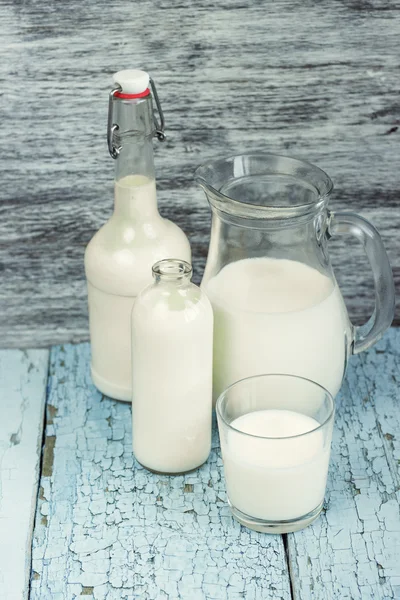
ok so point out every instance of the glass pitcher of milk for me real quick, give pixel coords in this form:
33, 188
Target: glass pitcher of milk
277, 305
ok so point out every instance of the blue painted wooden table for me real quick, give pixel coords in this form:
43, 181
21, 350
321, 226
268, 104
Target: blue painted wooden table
106, 529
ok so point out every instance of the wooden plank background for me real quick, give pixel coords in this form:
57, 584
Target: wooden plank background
353, 550
312, 78
107, 529
23, 379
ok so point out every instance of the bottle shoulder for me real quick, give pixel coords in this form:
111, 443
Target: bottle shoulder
120, 232
168, 304
119, 257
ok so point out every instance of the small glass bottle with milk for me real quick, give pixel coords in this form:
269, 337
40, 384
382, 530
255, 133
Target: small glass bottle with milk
172, 334
119, 257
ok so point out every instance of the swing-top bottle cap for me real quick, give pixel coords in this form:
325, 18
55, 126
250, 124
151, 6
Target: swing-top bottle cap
132, 81
131, 89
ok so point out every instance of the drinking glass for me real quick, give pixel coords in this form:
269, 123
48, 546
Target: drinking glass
275, 432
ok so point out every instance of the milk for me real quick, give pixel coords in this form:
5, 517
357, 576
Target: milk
172, 333
275, 479
277, 316
118, 263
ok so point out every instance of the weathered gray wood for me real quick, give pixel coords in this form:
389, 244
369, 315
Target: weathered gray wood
108, 529
315, 79
23, 377
353, 551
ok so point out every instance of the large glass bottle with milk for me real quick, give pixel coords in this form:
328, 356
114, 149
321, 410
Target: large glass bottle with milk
277, 306
119, 258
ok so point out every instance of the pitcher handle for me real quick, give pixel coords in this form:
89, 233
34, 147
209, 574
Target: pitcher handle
382, 317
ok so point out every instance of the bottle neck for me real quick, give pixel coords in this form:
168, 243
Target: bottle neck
135, 189
135, 186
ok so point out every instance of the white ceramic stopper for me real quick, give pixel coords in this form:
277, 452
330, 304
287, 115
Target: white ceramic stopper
132, 81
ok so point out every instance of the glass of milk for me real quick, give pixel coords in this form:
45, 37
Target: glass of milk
275, 433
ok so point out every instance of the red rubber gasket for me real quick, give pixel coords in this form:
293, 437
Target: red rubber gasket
123, 96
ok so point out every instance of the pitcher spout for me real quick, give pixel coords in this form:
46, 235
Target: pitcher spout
264, 186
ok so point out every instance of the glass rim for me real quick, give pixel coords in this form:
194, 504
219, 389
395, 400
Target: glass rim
171, 269
246, 210
223, 395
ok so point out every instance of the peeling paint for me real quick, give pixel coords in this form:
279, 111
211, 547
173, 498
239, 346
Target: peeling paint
352, 546
23, 378
48, 456
51, 414
15, 438
125, 534
121, 532
87, 591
